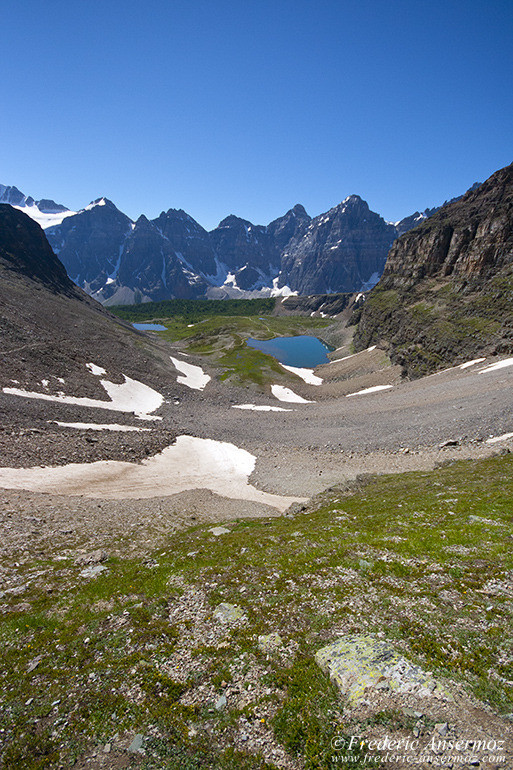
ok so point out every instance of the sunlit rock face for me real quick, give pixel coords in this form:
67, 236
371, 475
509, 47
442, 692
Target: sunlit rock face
343, 250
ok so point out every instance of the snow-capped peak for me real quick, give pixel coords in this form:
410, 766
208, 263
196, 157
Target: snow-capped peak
97, 202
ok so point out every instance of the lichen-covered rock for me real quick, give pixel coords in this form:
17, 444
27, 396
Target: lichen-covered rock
359, 664
228, 613
270, 642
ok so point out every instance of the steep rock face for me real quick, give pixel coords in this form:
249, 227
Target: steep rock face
118, 261
189, 241
292, 225
468, 239
150, 268
25, 250
246, 250
89, 244
447, 286
341, 250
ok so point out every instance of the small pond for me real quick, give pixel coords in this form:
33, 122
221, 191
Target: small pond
305, 352
150, 327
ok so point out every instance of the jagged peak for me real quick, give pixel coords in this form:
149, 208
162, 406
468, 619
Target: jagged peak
99, 202
232, 220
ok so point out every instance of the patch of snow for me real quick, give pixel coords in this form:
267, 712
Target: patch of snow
471, 363
190, 463
284, 292
306, 374
129, 396
99, 202
288, 395
98, 426
44, 219
359, 296
367, 350
499, 365
194, 376
96, 370
374, 389
261, 408
45, 383
504, 437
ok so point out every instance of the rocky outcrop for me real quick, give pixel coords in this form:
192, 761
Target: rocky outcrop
343, 250
323, 304
51, 329
446, 289
189, 241
25, 251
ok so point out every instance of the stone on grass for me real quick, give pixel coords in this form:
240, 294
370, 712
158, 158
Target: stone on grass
137, 743
270, 642
94, 557
228, 613
90, 572
220, 703
358, 664
219, 531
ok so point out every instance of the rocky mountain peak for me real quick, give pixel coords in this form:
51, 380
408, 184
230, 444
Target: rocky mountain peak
25, 250
233, 221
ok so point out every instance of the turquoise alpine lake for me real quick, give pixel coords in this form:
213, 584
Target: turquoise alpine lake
303, 351
149, 327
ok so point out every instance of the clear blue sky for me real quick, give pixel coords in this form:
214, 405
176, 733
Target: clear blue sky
249, 107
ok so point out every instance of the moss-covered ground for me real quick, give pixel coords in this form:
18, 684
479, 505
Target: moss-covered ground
423, 559
436, 323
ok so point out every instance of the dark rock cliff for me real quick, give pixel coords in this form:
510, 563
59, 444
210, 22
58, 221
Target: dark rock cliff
25, 250
447, 288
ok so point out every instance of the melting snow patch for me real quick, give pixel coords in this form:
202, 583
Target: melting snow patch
471, 363
374, 389
194, 376
261, 408
97, 426
498, 365
306, 374
495, 439
286, 394
367, 350
129, 396
190, 463
96, 370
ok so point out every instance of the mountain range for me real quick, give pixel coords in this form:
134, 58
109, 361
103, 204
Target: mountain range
120, 261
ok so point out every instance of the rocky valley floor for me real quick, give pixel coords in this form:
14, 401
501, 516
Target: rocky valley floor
139, 632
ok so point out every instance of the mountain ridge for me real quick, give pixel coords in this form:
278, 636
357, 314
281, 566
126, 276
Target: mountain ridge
121, 261
446, 290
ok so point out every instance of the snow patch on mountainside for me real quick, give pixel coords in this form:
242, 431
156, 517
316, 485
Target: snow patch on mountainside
129, 396
190, 463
